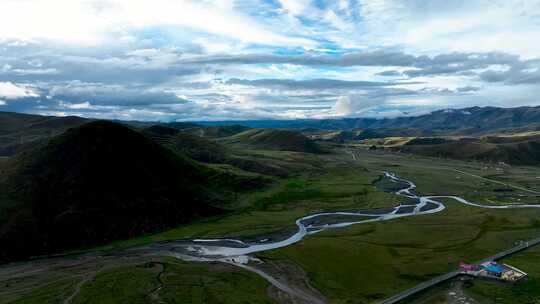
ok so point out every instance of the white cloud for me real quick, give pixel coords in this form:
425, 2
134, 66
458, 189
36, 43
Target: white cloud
464, 26
3, 103
76, 106
336, 21
10, 90
354, 104
83, 21
295, 7
22, 72
343, 106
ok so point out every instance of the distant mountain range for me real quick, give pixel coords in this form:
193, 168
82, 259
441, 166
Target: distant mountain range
467, 121
18, 131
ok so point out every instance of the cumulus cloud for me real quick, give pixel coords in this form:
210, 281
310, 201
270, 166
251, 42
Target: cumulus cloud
468, 89
343, 106
355, 105
312, 84
76, 106
10, 90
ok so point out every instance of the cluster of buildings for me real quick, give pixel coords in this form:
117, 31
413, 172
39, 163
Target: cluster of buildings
492, 270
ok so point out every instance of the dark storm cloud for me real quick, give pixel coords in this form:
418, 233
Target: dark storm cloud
86, 98
26, 62
373, 58
468, 89
114, 95
512, 76
368, 58
445, 64
311, 84
390, 73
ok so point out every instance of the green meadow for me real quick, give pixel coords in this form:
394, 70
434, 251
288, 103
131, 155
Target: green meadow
358, 264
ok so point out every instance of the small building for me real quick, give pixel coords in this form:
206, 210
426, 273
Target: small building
468, 267
492, 270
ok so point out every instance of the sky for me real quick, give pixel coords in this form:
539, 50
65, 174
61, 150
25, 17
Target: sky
176, 60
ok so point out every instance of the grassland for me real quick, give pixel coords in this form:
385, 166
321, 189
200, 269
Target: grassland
393, 255
366, 263
178, 282
439, 176
276, 208
369, 262
358, 264
164, 280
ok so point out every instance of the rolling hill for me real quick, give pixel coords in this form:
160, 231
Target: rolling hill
196, 147
518, 150
217, 131
208, 151
95, 183
272, 139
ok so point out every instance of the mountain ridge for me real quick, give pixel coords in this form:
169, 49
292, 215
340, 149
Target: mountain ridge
472, 120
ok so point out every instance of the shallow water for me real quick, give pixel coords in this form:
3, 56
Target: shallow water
234, 249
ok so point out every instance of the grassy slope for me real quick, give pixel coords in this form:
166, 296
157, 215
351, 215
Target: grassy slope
50, 202
515, 149
209, 151
271, 139
521, 153
196, 147
217, 131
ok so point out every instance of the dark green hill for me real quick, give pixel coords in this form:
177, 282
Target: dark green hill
181, 125
95, 183
273, 139
208, 151
198, 148
20, 132
206, 131
221, 131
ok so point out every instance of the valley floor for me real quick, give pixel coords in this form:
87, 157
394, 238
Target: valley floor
358, 264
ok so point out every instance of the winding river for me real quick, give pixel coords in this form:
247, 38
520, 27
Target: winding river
238, 251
